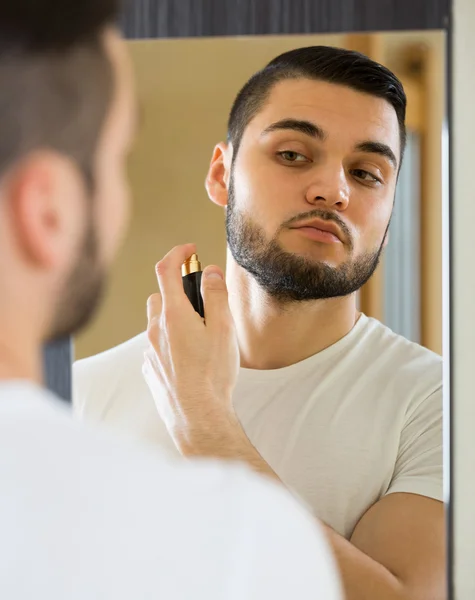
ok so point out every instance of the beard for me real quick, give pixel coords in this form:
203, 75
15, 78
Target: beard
82, 291
288, 277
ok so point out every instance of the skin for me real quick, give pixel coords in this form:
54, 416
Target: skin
397, 550
44, 215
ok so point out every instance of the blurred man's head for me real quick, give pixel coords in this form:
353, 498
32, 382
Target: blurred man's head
316, 138
66, 120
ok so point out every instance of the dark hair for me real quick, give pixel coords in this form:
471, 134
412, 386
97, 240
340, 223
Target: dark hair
56, 81
324, 63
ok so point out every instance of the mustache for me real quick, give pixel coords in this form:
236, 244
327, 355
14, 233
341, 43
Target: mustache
325, 215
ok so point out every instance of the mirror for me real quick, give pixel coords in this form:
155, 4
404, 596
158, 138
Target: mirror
187, 87
180, 128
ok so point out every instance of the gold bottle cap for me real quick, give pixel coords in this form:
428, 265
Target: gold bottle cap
191, 265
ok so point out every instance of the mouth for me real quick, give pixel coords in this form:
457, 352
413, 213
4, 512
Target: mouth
321, 231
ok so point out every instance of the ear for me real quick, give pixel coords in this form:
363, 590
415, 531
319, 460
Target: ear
42, 193
217, 180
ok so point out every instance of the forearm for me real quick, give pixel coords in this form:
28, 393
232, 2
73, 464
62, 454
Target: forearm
226, 442
364, 578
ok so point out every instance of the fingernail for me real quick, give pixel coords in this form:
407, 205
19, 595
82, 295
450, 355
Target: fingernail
213, 275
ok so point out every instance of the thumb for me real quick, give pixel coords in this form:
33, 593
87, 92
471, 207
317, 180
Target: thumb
215, 296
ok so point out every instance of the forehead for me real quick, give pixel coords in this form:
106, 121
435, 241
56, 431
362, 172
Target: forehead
343, 113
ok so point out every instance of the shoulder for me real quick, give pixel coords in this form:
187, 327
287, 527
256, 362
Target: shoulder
223, 510
129, 352
127, 505
111, 373
400, 373
396, 345
397, 356
96, 462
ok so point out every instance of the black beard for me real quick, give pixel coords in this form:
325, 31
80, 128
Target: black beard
82, 291
287, 277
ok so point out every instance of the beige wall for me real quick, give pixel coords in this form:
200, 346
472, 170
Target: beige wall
186, 88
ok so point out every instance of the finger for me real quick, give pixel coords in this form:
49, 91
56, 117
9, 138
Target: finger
147, 368
146, 364
150, 358
154, 311
151, 363
169, 273
154, 307
215, 297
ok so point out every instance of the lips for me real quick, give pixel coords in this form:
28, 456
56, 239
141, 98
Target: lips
328, 227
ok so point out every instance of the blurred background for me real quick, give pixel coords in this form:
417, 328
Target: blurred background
186, 88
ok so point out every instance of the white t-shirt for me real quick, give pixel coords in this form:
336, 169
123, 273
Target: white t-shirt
83, 516
354, 422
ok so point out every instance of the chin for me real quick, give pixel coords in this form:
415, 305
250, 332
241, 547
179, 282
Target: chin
330, 254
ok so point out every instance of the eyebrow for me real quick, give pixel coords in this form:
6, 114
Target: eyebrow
316, 132
305, 127
378, 148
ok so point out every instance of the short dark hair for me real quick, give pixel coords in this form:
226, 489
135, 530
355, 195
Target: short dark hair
323, 63
56, 81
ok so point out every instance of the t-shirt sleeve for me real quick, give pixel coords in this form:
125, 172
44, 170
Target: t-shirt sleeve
419, 465
291, 556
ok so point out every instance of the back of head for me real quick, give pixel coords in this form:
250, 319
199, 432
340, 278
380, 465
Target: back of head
55, 78
322, 63
58, 82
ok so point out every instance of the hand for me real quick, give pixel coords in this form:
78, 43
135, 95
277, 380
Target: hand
192, 365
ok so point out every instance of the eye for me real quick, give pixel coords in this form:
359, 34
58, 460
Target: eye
365, 176
292, 157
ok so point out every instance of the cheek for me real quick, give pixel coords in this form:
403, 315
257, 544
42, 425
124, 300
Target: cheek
263, 194
371, 222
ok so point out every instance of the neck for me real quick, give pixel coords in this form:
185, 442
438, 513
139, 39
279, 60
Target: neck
20, 354
23, 311
272, 335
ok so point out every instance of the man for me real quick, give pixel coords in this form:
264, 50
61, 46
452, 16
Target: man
82, 515
332, 403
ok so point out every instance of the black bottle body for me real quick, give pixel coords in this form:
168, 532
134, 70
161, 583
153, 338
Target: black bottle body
192, 287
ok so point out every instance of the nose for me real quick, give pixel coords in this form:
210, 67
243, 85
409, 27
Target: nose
329, 188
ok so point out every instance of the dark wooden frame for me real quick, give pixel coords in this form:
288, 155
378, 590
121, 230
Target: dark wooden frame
197, 18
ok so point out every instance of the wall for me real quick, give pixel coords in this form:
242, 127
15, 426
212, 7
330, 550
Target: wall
463, 294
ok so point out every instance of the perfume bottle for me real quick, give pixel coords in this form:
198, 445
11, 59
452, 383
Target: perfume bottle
191, 272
